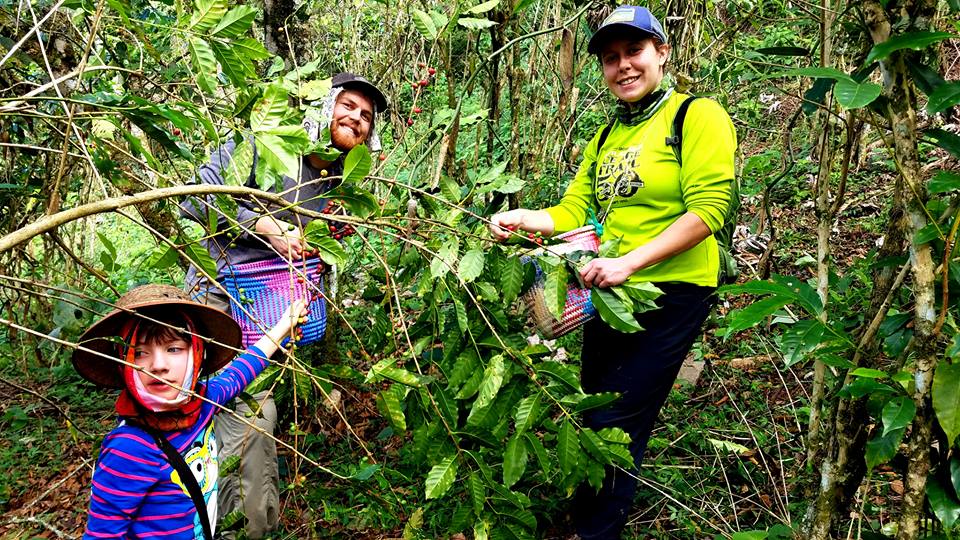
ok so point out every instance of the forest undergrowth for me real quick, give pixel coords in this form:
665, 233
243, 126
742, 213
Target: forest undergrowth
727, 454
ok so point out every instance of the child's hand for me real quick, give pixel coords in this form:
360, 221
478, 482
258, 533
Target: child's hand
295, 314
291, 317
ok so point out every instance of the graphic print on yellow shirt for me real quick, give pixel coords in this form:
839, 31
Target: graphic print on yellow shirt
617, 174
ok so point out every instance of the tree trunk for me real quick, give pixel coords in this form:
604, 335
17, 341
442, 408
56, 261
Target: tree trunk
824, 224
901, 113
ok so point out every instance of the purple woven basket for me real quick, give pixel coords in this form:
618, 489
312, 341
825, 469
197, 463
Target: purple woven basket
261, 291
578, 309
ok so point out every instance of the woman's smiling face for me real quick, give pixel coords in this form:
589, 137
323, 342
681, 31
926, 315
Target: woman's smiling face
632, 68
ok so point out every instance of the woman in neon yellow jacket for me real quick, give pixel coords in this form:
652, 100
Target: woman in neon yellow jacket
665, 211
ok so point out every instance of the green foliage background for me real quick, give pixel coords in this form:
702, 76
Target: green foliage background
427, 411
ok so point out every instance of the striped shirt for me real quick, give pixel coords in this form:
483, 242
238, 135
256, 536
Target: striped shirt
137, 494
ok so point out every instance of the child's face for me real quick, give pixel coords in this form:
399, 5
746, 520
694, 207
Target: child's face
167, 359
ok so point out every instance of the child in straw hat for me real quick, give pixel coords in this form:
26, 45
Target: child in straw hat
156, 347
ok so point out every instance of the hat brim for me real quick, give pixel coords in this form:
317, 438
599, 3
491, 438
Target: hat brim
100, 365
603, 35
369, 90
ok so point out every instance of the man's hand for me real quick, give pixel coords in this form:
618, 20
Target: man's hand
286, 239
606, 272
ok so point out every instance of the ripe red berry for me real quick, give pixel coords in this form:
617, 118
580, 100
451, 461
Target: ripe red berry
421, 64
177, 132
511, 228
413, 85
417, 110
424, 82
383, 157
333, 228
409, 121
431, 71
338, 236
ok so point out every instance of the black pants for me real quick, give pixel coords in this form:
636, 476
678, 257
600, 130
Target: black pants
642, 367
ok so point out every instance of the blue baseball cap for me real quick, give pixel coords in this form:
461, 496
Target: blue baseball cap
626, 17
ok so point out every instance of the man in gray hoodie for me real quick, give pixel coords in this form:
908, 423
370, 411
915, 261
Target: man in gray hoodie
349, 111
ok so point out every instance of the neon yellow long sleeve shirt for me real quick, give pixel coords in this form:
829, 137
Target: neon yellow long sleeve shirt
638, 178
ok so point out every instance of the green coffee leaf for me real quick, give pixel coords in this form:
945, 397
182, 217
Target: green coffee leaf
389, 404
943, 503
943, 182
594, 446
483, 7
613, 311
356, 200
527, 412
477, 492
568, 447
555, 289
441, 477
424, 24
514, 460
471, 23
511, 278
235, 23
491, 383
199, 256
444, 259
594, 401
818, 72
854, 95
356, 166
909, 40
946, 398
206, 15
946, 140
331, 252
943, 97
204, 64
539, 452
269, 110
471, 265
897, 414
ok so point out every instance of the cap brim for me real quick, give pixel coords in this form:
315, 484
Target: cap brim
219, 331
371, 91
604, 34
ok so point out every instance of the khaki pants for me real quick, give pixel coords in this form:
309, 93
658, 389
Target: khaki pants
254, 487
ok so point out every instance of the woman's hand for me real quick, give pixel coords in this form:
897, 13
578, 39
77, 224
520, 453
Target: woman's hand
606, 272
286, 239
503, 225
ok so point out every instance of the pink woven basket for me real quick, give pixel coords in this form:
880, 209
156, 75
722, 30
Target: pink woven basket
578, 308
261, 291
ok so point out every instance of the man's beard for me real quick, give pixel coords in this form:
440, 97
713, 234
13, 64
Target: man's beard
343, 139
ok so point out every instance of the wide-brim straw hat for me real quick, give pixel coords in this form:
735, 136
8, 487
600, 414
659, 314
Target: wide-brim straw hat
152, 302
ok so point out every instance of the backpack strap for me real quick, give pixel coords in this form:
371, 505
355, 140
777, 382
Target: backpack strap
675, 140
603, 136
186, 476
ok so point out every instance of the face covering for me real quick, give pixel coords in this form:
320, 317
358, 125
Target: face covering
137, 404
